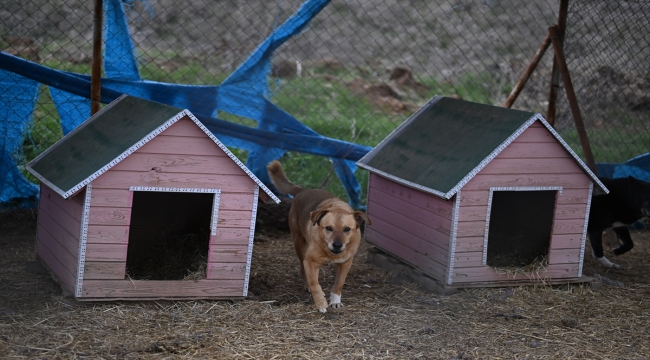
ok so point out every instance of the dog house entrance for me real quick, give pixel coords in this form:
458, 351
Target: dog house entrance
169, 234
519, 229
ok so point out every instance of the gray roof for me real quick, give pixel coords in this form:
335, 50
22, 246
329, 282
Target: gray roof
448, 141
107, 138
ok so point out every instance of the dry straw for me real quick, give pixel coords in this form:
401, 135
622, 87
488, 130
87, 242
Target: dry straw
278, 320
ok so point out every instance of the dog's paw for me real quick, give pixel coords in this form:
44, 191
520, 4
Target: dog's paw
335, 301
320, 302
608, 264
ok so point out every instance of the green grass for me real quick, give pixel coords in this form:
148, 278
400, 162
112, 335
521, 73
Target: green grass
44, 132
613, 145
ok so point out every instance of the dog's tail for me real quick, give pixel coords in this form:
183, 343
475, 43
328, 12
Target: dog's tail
280, 180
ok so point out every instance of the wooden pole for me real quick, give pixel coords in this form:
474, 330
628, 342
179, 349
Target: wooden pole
529, 71
571, 96
555, 75
96, 75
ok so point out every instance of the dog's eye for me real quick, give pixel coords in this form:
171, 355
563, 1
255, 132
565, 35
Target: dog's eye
346, 229
329, 228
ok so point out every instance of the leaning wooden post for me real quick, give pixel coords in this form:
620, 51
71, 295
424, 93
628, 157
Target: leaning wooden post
571, 96
555, 74
529, 71
96, 75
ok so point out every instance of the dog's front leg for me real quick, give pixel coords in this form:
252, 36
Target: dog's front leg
311, 272
342, 270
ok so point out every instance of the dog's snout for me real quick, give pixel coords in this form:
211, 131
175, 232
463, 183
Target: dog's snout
337, 245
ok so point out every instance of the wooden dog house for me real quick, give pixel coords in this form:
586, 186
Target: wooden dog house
138, 188
468, 193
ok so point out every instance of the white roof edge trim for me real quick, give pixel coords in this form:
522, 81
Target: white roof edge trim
28, 166
125, 154
231, 155
566, 146
452, 239
366, 158
404, 182
491, 156
47, 182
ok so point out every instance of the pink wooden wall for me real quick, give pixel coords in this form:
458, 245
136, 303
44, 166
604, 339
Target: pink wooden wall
410, 224
535, 158
182, 157
57, 235
416, 226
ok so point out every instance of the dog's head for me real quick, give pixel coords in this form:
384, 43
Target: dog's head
338, 228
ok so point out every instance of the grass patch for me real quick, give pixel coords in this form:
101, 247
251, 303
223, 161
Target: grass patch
611, 145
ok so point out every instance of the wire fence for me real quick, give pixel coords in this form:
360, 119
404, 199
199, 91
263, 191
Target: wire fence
360, 67
607, 50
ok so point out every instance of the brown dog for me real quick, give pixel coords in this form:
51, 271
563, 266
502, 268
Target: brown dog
324, 230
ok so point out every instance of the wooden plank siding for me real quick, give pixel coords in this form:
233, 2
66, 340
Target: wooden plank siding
415, 197
534, 159
160, 289
486, 273
182, 156
413, 225
57, 234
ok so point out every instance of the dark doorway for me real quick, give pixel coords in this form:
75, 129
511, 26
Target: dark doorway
169, 235
520, 227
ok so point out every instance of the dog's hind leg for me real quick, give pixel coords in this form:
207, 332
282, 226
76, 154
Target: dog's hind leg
342, 270
596, 241
624, 235
298, 243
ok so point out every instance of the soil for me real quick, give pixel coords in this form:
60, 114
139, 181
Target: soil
384, 317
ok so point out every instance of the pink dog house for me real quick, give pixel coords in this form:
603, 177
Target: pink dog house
466, 192
135, 199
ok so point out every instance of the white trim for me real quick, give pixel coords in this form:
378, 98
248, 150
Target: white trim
487, 228
28, 167
215, 200
142, 142
214, 218
528, 188
452, 238
173, 189
584, 230
575, 156
126, 153
251, 235
46, 182
232, 156
489, 208
83, 238
491, 157
485, 161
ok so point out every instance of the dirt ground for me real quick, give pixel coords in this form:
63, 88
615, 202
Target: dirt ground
382, 319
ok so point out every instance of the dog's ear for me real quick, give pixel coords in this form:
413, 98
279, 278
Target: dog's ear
316, 216
361, 217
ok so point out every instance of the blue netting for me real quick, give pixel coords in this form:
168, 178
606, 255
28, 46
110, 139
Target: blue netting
244, 93
638, 167
17, 101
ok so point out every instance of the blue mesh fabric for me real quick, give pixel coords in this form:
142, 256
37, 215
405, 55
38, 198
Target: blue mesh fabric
18, 97
244, 93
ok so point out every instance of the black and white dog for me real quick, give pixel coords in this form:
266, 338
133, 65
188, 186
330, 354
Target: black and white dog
628, 201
